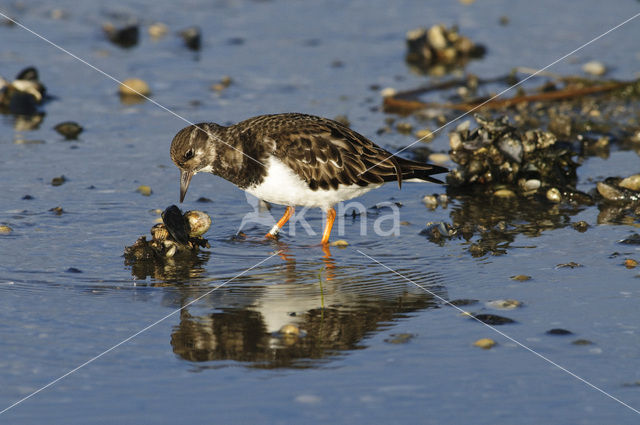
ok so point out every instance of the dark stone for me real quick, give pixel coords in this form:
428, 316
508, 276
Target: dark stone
462, 302
69, 129
58, 181
126, 36
631, 240
558, 331
493, 319
73, 270
192, 38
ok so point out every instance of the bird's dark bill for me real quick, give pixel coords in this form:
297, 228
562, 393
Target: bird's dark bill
185, 179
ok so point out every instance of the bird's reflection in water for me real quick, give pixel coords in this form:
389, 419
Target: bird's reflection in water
275, 317
168, 271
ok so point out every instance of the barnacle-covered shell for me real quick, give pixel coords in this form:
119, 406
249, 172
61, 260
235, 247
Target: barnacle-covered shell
199, 222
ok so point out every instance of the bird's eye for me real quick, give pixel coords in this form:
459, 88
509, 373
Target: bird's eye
188, 155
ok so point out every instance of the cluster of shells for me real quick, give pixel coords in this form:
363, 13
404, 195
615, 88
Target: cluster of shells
440, 46
177, 234
509, 162
23, 95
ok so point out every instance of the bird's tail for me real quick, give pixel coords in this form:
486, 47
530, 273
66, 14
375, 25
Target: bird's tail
418, 171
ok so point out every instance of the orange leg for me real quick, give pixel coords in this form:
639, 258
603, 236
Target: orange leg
331, 217
275, 229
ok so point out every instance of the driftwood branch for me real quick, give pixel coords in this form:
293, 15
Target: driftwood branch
405, 102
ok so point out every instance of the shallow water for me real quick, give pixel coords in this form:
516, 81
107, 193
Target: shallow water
385, 348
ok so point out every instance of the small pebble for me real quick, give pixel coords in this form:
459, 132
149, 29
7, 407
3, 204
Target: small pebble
399, 338
504, 20
58, 14
340, 243
69, 129
507, 304
430, 201
222, 84
485, 343
476, 250
57, 210
521, 277
158, 30
532, 184
126, 36
5, 230
558, 331
425, 135
630, 263
571, 264
27, 197
439, 158
388, 92
554, 195
504, 193
594, 68
582, 342
57, 181
204, 200
289, 330
192, 37
404, 127
134, 87
581, 226
144, 190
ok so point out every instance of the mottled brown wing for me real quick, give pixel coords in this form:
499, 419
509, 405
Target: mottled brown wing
326, 153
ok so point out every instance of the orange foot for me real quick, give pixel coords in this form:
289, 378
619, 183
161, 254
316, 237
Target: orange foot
273, 233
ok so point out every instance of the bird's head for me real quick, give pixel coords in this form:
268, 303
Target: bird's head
193, 150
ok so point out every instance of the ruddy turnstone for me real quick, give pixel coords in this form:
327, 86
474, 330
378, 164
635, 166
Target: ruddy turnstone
294, 160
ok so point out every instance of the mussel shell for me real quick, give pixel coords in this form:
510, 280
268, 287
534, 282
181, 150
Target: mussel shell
176, 224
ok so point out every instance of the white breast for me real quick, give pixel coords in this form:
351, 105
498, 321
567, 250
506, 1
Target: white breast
282, 186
